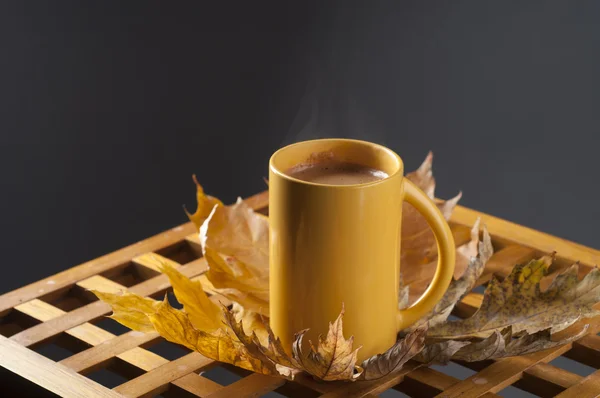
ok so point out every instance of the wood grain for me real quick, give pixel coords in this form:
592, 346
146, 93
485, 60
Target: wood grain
588, 387
253, 386
157, 380
516, 244
53, 377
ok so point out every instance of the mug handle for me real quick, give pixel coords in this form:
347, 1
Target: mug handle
446, 256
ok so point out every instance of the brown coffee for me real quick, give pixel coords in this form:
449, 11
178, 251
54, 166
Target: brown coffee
336, 173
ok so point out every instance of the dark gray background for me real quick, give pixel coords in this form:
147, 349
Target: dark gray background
107, 108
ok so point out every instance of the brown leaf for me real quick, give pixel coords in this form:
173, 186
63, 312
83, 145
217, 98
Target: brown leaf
418, 242
204, 206
459, 288
528, 343
519, 303
497, 345
277, 362
332, 359
439, 352
393, 359
419, 277
235, 240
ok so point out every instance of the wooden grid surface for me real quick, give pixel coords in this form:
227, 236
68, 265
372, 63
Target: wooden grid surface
60, 311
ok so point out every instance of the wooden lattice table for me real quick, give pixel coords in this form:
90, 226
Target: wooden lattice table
59, 310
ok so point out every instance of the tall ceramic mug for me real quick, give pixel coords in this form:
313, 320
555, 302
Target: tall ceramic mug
340, 244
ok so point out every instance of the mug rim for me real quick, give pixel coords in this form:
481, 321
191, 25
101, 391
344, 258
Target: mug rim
399, 169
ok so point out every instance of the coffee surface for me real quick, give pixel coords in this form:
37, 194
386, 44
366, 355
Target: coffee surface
336, 173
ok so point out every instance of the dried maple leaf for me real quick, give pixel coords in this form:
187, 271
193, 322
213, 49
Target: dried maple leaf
458, 288
148, 315
439, 352
334, 358
253, 322
277, 362
393, 359
130, 309
205, 204
418, 242
203, 312
235, 241
518, 302
497, 345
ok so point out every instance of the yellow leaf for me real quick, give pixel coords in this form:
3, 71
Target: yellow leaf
130, 309
235, 241
203, 312
418, 242
204, 207
221, 345
332, 359
148, 315
253, 323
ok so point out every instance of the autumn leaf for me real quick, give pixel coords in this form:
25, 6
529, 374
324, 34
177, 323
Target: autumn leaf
334, 358
148, 315
418, 241
393, 359
498, 345
235, 241
439, 352
518, 302
130, 309
275, 362
458, 288
202, 311
253, 322
205, 204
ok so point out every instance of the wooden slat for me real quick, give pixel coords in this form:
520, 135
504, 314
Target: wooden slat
546, 380
501, 374
523, 236
101, 284
109, 261
86, 332
374, 387
96, 309
94, 335
502, 262
255, 385
44, 372
197, 385
588, 387
426, 382
118, 346
93, 267
586, 350
157, 380
153, 261
193, 239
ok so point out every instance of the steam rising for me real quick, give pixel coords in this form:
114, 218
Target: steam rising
333, 108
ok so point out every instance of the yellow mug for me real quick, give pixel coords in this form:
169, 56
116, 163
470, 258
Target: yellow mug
340, 244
